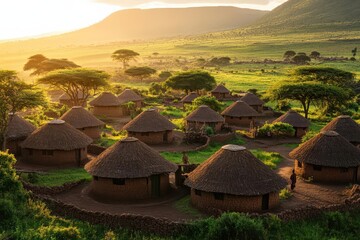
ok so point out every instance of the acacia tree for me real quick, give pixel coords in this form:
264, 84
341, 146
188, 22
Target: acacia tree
15, 95
75, 82
289, 54
41, 64
211, 102
124, 56
301, 59
192, 81
140, 72
310, 94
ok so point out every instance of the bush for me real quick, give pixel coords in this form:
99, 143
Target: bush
285, 194
33, 178
209, 131
59, 233
308, 136
278, 129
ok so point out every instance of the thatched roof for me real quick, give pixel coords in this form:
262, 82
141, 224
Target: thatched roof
328, 149
294, 119
106, 99
346, 127
78, 117
18, 128
240, 109
129, 95
235, 170
220, 89
252, 99
190, 97
149, 121
129, 158
57, 135
65, 96
204, 114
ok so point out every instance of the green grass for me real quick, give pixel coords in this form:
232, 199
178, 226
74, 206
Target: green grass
270, 159
184, 205
291, 145
172, 112
108, 141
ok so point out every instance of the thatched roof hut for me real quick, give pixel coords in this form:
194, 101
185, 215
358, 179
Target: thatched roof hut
79, 118
328, 149
346, 127
204, 114
294, 119
57, 135
190, 97
129, 158
252, 100
105, 99
220, 89
235, 170
18, 128
129, 95
240, 109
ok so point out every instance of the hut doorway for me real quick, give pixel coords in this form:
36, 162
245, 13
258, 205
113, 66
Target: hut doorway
155, 185
355, 177
78, 157
18, 150
165, 136
265, 202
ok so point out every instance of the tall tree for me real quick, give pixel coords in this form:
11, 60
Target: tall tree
40, 64
75, 82
140, 72
192, 81
15, 95
124, 56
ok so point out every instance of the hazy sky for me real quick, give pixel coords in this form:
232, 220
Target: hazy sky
28, 18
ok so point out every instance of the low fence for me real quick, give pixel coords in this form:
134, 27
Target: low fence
42, 190
222, 137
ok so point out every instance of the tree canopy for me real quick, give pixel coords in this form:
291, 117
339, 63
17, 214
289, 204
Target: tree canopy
289, 54
191, 81
124, 56
75, 82
211, 102
140, 72
40, 64
301, 59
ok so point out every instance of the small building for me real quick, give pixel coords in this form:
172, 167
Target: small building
299, 123
129, 95
151, 127
84, 121
17, 131
66, 100
204, 116
254, 101
221, 92
346, 127
327, 157
240, 114
57, 143
129, 170
106, 105
188, 99
233, 179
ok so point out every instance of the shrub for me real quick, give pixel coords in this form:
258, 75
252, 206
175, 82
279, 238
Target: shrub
308, 136
33, 178
209, 131
59, 233
278, 129
285, 194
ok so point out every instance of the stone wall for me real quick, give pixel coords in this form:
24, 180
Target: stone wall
222, 137
51, 190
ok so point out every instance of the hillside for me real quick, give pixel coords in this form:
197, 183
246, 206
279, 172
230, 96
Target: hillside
308, 15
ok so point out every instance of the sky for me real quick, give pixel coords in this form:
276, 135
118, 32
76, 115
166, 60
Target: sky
21, 19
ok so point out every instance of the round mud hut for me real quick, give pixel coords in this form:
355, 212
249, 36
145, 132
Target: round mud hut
188, 99
204, 116
298, 122
220, 92
129, 170
240, 114
233, 179
106, 105
17, 131
129, 95
346, 127
151, 127
254, 101
56, 143
327, 157
84, 121
66, 100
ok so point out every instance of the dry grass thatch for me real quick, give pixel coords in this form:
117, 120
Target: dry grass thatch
240, 109
235, 170
346, 127
149, 121
252, 100
328, 149
190, 97
18, 128
129, 158
294, 119
204, 114
220, 89
78, 117
57, 135
129, 95
106, 99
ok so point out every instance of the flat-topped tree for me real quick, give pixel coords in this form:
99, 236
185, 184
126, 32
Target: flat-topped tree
124, 56
192, 81
77, 81
41, 64
15, 95
140, 72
